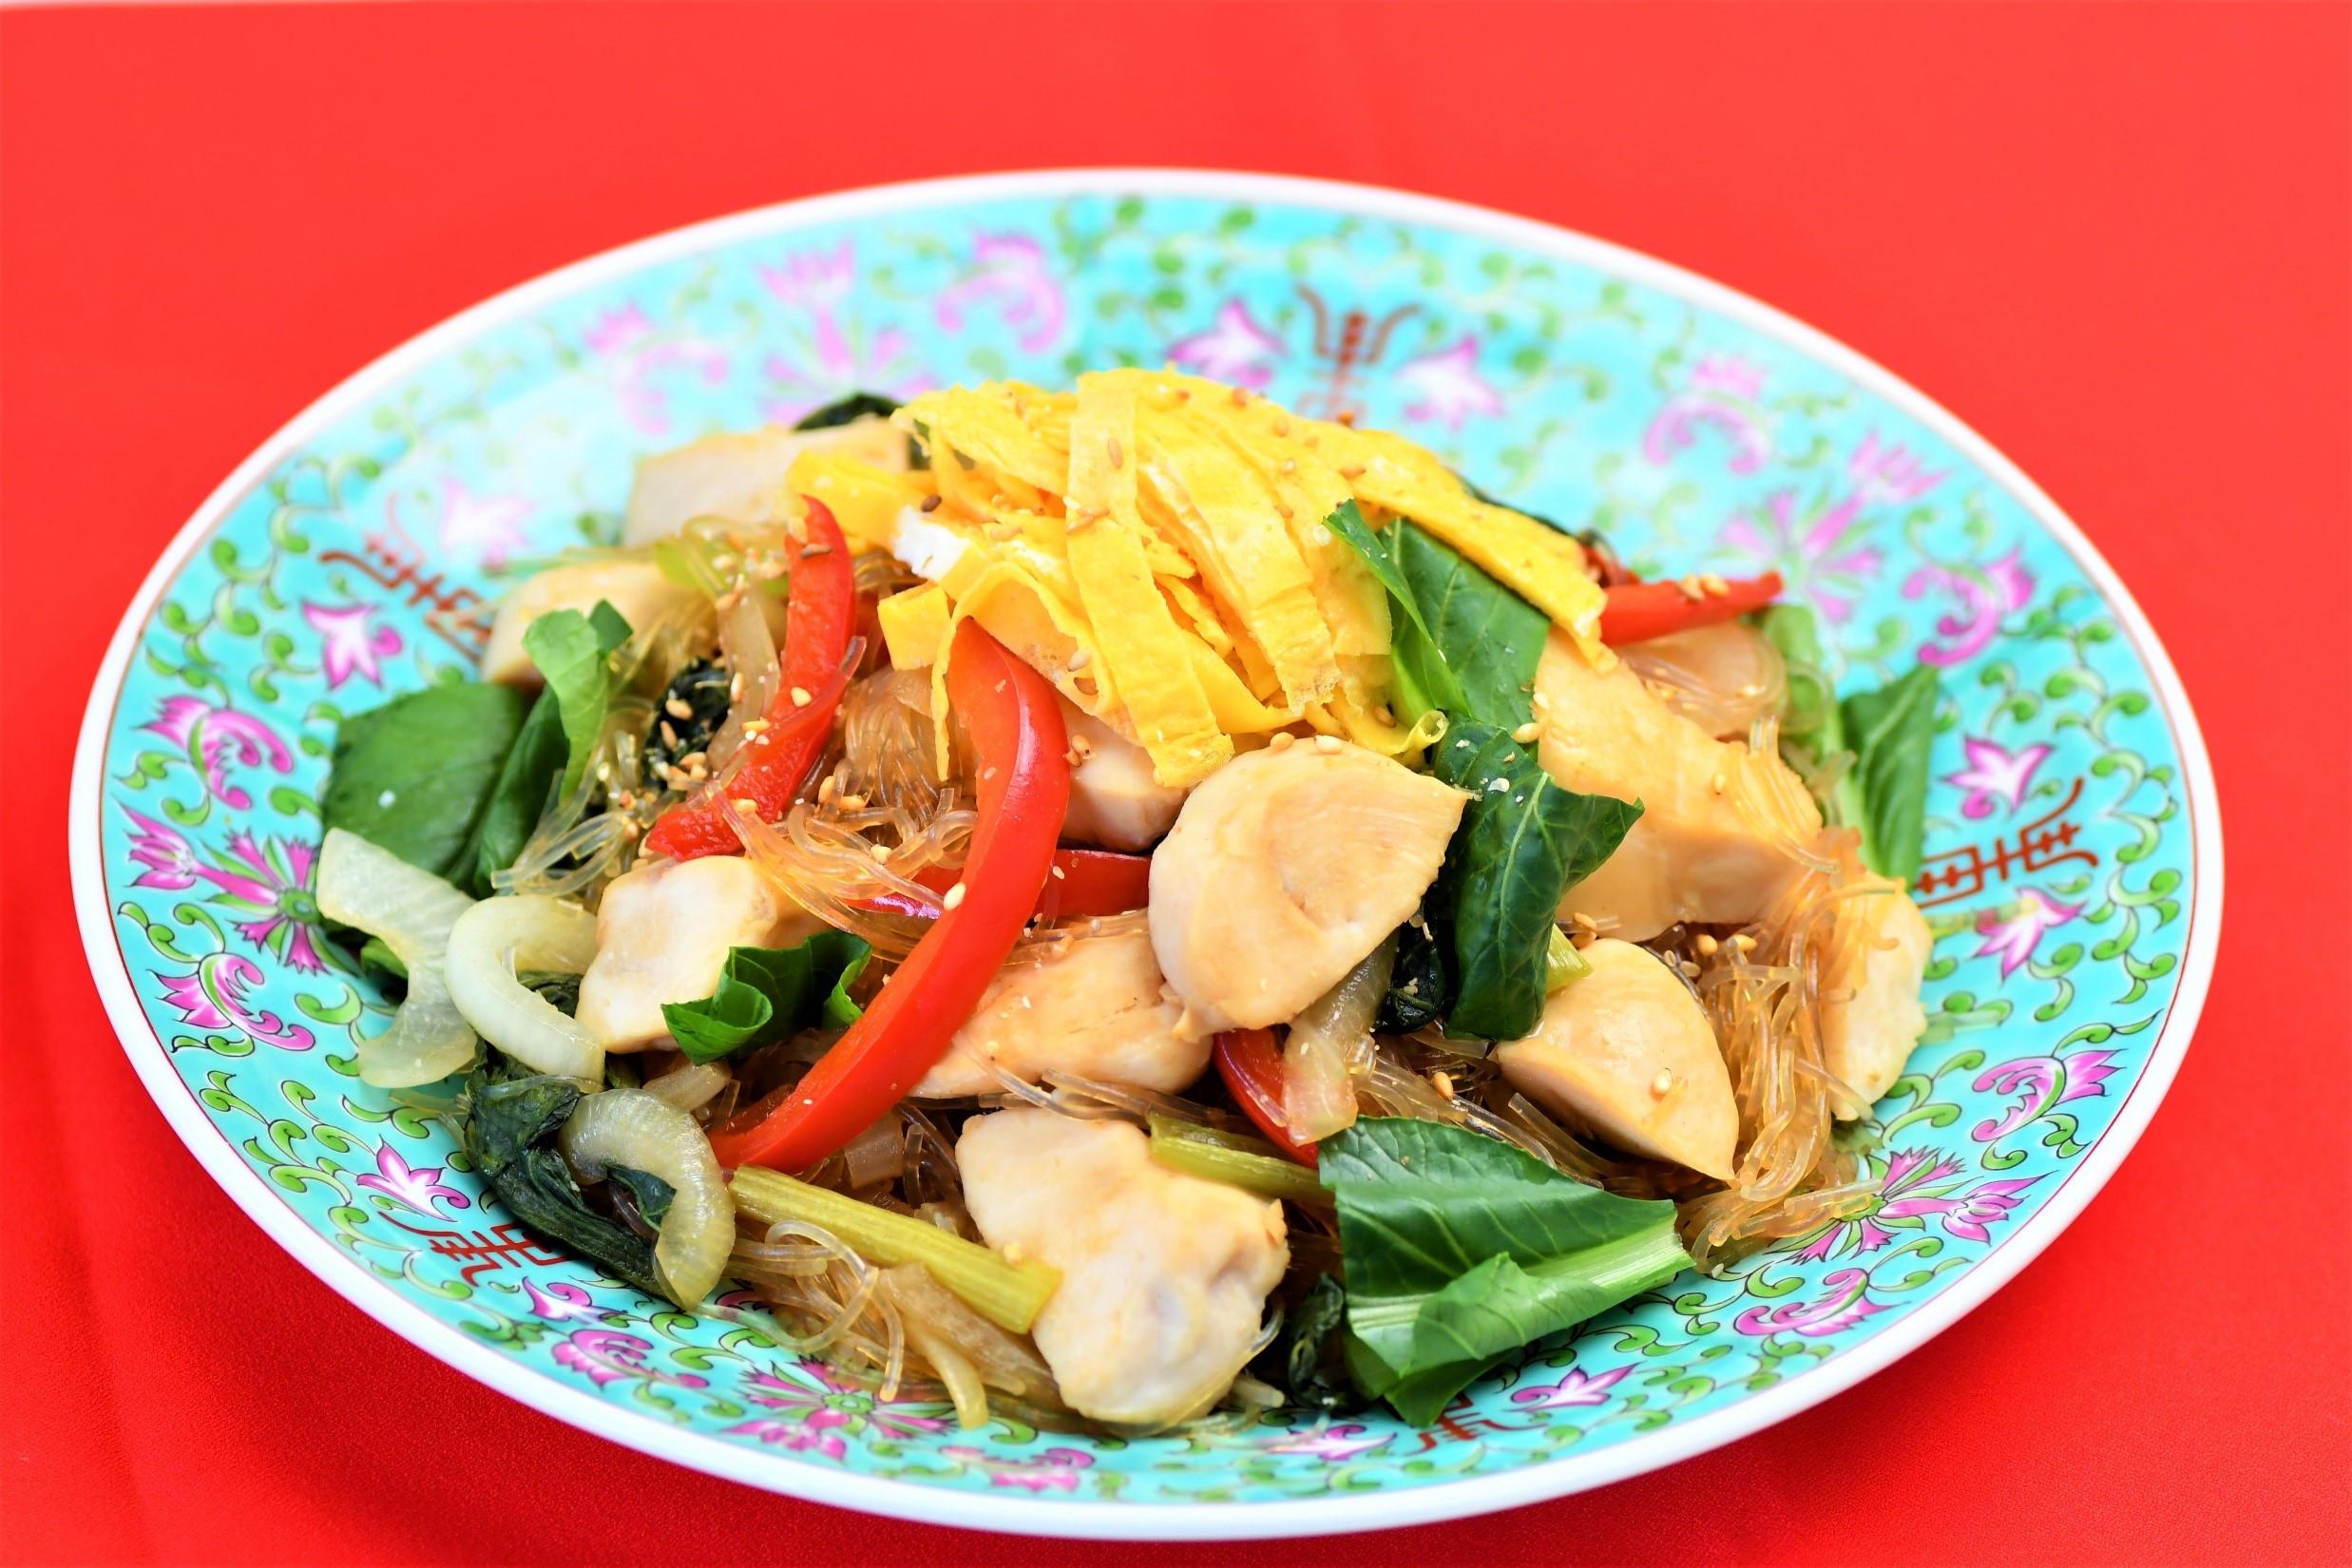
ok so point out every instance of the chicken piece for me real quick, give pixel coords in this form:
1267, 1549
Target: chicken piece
662, 932
1722, 678
1097, 1010
1627, 1052
1164, 1276
636, 588
1693, 856
1114, 802
737, 475
1870, 1013
1283, 868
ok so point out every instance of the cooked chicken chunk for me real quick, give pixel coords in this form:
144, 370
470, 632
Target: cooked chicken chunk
1693, 856
1284, 869
1097, 1010
1627, 1052
736, 475
1870, 1015
1114, 802
1164, 1276
636, 588
662, 932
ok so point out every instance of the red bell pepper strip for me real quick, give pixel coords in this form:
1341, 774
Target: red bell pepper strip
1082, 882
1638, 611
1024, 789
1250, 1064
820, 609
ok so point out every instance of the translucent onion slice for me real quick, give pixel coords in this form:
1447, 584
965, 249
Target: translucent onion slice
412, 912
531, 931
692, 1086
630, 1127
1326, 1041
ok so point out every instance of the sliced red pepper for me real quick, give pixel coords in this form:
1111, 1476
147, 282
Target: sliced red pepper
820, 610
1024, 790
1250, 1064
1638, 611
1082, 882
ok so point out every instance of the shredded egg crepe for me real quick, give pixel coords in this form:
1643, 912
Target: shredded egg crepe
1154, 545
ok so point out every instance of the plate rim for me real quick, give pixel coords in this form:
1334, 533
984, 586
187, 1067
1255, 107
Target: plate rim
1541, 1482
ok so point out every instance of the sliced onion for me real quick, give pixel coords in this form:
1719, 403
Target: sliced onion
1326, 1042
878, 1153
630, 1127
530, 931
412, 912
1004, 1360
691, 1086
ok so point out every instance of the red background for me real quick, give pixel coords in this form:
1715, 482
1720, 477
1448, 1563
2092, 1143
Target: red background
2111, 238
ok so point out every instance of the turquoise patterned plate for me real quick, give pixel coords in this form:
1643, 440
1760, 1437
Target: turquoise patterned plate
2073, 867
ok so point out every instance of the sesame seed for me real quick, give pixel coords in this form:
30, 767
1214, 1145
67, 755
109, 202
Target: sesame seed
1284, 510
669, 736
955, 897
735, 688
1690, 588
1713, 584
1526, 733
1282, 427
1013, 1253
930, 504
1080, 659
827, 789
1118, 457
1059, 873
880, 852
800, 696
853, 802
1745, 943
1443, 1083
1708, 945
1499, 786
1586, 921
1290, 465
1660, 1084
1716, 783
1281, 741
1385, 714
747, 807
810, 552
1353, 471
1241, 397
676, 708
755, 726
1327, 744
694, 759
1543, 703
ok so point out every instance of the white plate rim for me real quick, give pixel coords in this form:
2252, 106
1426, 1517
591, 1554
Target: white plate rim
1352, 1512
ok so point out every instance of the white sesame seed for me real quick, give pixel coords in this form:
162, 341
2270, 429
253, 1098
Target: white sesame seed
880, 852
955, 896
1080, 659
676, 708
1708, 945
1527, 732
1118, 458
746, 806
800, 696
1281, 741
1662, 1083
1443, 1083
1327, 744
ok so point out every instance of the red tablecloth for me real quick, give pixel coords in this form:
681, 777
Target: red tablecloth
2113, 238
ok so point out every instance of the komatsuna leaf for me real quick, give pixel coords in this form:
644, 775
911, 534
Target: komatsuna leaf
1891, 731
1460, 1249
1424, 683
1812, 732
509, 1131
413, 775
767, 994
574, 652
1523, 842
1491, 638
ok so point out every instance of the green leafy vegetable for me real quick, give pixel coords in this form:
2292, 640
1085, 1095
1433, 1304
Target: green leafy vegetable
510, 1133
767, 994
701, 687
574, 652
651, 1195
1491, 638
557, 989
1309, 1357
1423, 680
535, 769
376, 953
1460, 1249
1812, 734
845, 411
1891, 731
414, 775
1523, 842
1418, 987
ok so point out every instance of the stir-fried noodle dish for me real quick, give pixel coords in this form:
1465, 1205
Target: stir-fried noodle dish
1122, 903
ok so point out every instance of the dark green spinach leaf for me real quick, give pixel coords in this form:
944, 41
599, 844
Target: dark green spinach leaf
1523, 842
651, 1195
1460, 1249
1491, 638
767, 994
1418, 987
702, 688
414, 775
1308, 1359
846, 411
509, 1131
1891, 731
